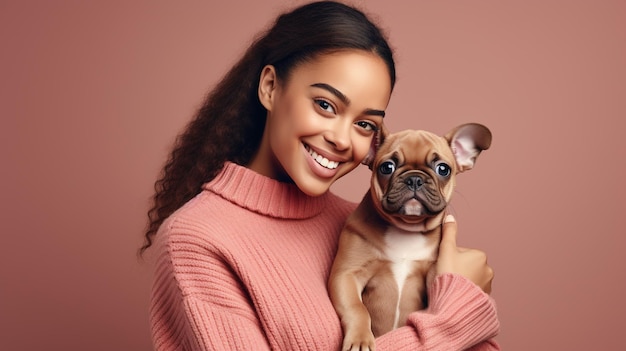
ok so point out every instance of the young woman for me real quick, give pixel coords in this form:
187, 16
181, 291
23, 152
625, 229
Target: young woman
243, 226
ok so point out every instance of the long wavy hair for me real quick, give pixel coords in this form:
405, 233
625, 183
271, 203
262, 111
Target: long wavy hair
230, 123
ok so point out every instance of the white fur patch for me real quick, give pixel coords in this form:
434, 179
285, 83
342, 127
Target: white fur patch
402, 249
413, 208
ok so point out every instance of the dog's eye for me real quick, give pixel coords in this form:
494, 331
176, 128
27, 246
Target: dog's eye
443, 169
387, 167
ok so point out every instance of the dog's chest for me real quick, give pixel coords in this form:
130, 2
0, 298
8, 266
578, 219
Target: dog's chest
403, 246
402, 249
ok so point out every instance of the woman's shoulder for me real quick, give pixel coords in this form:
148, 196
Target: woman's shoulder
210, 221
195, 221
340, 203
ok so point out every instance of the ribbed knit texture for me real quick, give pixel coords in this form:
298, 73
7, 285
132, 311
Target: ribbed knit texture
244, 266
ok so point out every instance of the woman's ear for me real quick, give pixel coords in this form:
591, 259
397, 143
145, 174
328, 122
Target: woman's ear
267, 86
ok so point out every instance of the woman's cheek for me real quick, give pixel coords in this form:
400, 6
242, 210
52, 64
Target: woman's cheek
362, 147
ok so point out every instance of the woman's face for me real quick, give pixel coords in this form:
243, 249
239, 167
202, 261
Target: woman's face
321, 120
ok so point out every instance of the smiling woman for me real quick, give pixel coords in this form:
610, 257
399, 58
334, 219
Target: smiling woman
230, 124
317, 132
244, 227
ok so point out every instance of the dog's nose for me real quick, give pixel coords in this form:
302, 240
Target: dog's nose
414, 183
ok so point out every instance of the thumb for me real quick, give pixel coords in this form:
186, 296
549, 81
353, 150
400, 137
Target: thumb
448, 233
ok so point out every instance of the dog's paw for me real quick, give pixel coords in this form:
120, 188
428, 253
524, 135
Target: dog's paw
359, 340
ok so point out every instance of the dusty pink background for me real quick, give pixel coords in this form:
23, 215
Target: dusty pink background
92, 96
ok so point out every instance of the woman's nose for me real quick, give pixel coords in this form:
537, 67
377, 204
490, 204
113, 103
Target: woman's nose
339, 135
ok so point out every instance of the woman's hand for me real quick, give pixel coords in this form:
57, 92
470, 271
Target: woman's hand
469, 263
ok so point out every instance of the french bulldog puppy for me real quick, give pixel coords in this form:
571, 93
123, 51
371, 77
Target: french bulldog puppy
390, 242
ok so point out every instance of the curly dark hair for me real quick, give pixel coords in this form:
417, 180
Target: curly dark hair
230, 123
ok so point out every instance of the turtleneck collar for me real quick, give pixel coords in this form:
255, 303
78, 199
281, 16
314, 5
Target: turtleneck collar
258, 193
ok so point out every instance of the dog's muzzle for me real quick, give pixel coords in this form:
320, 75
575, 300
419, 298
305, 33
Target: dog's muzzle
414, 185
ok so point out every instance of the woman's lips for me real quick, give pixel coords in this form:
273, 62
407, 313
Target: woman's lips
321, 160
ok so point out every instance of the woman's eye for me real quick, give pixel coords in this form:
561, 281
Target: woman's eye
368, 126
325, 105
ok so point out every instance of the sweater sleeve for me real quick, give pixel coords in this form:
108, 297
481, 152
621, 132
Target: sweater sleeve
198, 303
460, 316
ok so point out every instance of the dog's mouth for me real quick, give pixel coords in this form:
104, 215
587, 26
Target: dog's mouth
417, 206
412, 212
412, 208
321, 160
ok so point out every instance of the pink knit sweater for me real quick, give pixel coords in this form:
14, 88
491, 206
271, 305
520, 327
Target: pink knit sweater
243, 266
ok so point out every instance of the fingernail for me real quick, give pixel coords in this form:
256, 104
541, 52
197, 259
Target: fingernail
449, 218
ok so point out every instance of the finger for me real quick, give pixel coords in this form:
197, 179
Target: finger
487, 288
448, 232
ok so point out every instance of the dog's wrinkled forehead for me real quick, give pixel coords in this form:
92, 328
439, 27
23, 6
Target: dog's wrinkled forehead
412, 146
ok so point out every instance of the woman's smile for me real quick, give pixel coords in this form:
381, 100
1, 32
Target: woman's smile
320, 165
323, 161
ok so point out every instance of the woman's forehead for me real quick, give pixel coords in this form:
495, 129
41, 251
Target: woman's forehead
354, 74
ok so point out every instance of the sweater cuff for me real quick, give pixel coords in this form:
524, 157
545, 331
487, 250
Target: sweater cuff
459, 314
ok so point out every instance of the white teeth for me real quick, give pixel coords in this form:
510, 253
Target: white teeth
323, 160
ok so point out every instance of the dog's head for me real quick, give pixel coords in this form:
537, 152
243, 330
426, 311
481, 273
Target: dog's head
413, 172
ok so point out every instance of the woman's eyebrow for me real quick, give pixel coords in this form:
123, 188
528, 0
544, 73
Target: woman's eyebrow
333, 91
372, 112
344, 99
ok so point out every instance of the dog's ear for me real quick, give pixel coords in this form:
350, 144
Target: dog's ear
467, 141
377, 141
